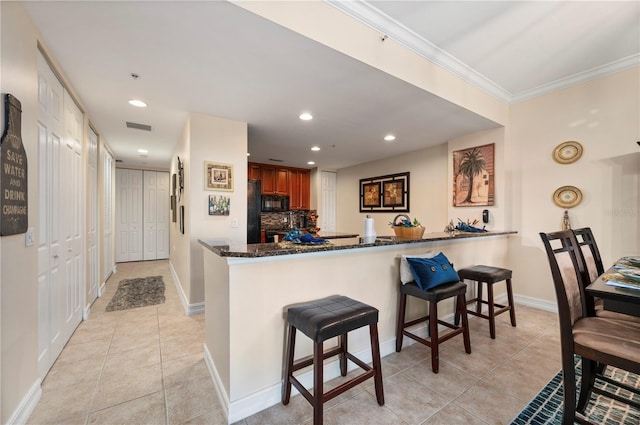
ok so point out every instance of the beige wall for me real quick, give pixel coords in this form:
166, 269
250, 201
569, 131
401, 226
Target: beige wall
213, 139
19, 267
603, 116
428, 190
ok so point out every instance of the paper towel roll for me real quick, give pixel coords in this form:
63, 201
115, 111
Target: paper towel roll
369, 228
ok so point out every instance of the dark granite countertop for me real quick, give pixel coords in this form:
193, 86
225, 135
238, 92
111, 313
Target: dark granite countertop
225, 249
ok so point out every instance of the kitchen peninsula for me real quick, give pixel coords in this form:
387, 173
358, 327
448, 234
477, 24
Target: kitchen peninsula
248, 287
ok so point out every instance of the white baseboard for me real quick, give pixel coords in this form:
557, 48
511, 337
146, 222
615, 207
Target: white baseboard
536, 303
217, 382
189, 309
27, 405
85, 312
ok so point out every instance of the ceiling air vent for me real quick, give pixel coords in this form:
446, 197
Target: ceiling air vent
118, 160
275, 160
137, 126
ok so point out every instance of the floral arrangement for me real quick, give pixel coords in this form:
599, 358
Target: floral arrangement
405, 222
406, 228
313, 219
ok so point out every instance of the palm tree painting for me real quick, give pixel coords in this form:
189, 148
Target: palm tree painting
473, 171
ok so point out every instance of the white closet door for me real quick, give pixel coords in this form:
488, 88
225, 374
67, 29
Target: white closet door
108, 211
129, 228
93, 258
50, 270
60, 217
162, 215
328, 201
150, 215
73, 215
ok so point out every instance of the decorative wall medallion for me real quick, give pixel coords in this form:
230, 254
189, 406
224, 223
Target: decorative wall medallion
567, 196
567, 152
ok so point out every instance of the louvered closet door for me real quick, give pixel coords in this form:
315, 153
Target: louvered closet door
162, 215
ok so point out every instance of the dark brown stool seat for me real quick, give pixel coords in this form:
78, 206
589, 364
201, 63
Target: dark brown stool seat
433, 296
321, 320
490, 275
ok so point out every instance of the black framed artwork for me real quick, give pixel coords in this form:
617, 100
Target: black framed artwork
385, 193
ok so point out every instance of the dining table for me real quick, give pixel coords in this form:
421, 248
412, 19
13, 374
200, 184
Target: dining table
619, 291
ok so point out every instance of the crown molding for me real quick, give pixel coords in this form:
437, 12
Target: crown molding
369, 15
385, 25
582, 77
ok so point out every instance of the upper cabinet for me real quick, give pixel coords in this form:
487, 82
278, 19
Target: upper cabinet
274, 181
299, 189
294, 182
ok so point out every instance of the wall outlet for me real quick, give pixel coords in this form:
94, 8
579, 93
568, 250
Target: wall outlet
284, 219
234, 222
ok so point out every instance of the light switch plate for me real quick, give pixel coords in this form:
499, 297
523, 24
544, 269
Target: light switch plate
28, 236
234, 222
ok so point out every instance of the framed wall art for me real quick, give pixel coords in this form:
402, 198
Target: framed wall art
473, 176
385, 193
219, 205
218, 176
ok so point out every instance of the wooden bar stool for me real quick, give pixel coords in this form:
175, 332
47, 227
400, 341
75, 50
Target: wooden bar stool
489, 275
321, 320
433, 296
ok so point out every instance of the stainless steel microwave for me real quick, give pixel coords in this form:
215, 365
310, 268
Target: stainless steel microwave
275, 203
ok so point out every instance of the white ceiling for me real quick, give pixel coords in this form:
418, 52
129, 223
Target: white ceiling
216, 58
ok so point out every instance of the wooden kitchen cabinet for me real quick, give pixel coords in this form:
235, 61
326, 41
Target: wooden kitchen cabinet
299, 189
294, 182
254, 172
274, 181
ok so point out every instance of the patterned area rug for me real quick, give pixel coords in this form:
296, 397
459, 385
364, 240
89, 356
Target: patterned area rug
138, 292
546, 407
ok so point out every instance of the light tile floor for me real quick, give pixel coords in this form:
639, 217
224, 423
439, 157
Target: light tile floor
146, 366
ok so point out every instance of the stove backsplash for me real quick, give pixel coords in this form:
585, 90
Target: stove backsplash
299, 219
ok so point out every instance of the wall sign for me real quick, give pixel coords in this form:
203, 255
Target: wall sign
14, 218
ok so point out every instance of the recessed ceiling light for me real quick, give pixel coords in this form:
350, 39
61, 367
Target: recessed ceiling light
143, 151
311, 163
138, 103
389, 137
315, 148
306, 116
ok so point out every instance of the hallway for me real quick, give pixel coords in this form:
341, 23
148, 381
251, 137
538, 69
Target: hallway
137, 366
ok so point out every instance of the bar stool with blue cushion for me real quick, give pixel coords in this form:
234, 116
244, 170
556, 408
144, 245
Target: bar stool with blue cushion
434, 280
489, 275
321, 320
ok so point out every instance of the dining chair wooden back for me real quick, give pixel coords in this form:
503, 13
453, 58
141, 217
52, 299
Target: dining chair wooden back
595, 339
590, 252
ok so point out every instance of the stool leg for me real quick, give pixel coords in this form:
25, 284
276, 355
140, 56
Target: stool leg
433, 334
318, 389
377, 365
479, 298
401, 312
462, 306
492, 311
512, 307
343, 354
288, 367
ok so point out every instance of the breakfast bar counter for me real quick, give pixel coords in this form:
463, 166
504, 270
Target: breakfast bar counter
249, 286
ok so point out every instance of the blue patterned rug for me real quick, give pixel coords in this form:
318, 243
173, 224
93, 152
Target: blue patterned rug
546, 407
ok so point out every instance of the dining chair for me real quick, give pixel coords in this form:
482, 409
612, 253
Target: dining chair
594, 339
593, 267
